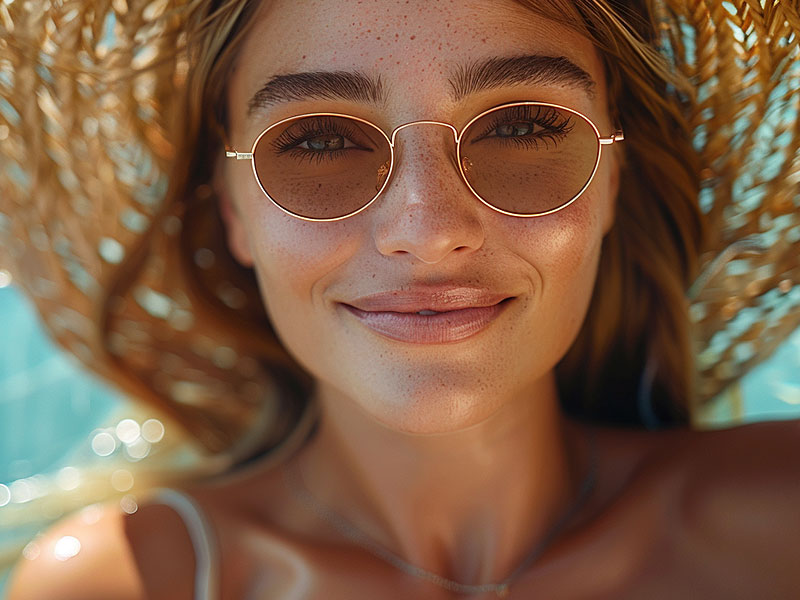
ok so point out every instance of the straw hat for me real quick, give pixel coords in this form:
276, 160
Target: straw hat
89, 92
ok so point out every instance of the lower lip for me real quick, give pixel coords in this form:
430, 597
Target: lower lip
441, 328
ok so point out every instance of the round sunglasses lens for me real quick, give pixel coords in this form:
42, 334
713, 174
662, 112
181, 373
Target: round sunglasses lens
529, 159
322, 166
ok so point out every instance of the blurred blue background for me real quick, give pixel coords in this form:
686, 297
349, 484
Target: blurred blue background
48, 404
47, 401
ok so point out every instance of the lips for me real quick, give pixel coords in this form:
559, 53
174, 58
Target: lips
429, 316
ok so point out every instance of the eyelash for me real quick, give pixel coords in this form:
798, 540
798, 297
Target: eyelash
288, 141
525, 113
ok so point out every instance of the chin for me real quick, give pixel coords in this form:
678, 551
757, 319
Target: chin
428, 410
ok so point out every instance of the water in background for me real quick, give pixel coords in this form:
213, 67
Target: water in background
48, 404
47, 401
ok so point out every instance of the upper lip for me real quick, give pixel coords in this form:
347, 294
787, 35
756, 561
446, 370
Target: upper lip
438, 299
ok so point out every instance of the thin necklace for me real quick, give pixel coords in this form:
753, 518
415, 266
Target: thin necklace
293, 480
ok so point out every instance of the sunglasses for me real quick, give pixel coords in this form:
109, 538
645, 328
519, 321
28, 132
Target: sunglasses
524, 159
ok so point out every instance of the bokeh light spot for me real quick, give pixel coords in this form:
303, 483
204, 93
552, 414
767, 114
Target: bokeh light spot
128, 504
91, 514
21, 491
138, 449
67, 547
31, 551
153, 430
5, 278
68, 478
122, 480
127, 431
103, 444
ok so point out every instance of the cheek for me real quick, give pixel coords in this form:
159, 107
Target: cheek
295, 261
291, 256
273, 235
564, 251
564, 245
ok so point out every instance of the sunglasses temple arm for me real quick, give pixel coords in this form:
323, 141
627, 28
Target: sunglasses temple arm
238, 155
617, 136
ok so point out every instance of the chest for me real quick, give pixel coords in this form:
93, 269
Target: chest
666, 575
645, 550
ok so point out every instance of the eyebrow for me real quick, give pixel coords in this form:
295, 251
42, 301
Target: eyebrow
319, 85
517, 70
356, 86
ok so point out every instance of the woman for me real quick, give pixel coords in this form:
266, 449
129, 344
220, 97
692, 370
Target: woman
433, 281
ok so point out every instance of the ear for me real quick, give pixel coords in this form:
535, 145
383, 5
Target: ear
236, 233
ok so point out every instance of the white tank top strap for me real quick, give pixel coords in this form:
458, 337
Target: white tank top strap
206, 577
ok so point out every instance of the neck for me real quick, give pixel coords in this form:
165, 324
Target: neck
469, 505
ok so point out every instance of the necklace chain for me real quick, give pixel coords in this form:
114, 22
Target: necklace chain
294, 482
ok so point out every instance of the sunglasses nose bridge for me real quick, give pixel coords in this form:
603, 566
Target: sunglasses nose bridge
393, 141
399, 128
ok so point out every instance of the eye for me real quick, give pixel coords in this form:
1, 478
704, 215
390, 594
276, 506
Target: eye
514, 129
529, 124
320, 136
324, 142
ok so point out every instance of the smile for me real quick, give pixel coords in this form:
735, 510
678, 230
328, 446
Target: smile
441, 318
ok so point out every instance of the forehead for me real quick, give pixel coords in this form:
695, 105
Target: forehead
413, 46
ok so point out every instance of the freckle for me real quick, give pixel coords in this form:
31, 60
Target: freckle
377, 38
413, 37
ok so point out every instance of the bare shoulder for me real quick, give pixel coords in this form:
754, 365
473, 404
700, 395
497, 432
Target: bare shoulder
748, 457
85, 555
716, 481
737, 471
756, 453
714, 511
740, 502
101, 552
758, 460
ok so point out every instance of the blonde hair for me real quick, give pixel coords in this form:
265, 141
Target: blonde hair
638, 314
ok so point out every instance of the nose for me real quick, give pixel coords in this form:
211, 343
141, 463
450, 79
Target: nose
427, 212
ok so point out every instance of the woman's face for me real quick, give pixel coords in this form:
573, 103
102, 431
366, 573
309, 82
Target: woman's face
427, 242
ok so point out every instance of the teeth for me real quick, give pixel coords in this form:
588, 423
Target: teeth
427, 313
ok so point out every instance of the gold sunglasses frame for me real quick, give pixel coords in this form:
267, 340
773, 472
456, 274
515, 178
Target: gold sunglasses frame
616, 136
